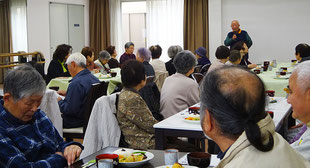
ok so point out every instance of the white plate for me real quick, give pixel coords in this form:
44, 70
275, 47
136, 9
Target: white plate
170, 166
192, 121
282, 77
101, 76
149, 156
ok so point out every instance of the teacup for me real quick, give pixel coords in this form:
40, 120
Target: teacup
270, 93
113, 74
108, 156
266, 63
194, 110
294, 62
200, 159
283, 69
270, 113
257, 71
283, 73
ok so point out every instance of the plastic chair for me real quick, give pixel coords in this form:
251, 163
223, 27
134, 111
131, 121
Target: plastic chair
197, 77
205, 69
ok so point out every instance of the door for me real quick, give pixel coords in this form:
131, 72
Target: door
66, 26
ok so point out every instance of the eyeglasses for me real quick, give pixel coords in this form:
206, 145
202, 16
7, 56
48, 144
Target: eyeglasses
288, 90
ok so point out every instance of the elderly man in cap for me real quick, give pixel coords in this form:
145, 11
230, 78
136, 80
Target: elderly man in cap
72, 107
299, 98
201, 55
233, 115
27, 137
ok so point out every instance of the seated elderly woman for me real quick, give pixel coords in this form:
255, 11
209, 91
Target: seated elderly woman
234, 58
102, 62
144, 55
172, 51
158, 65
232, 112
243, 48
135, 119
179, 91
57, 67
113, 63
90, 56
302, 52
27, 137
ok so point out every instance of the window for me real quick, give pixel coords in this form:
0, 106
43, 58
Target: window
134, 23
19, 25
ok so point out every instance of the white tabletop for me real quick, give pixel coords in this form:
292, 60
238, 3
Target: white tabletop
178, 122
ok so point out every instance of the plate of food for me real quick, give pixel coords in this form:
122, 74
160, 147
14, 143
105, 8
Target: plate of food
176, 165
193, 118
192, 115
102, 76
132, 158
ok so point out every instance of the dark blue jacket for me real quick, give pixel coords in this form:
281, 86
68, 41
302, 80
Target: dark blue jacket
72, 106
241, 36
149, 70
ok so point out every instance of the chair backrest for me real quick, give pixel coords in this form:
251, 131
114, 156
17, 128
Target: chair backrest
150, 79
198, 77
285, 123
197, 68
97, 90
205, 69
160, 78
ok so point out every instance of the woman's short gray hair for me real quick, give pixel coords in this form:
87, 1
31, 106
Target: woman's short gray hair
24, 81
184, 61
145, 54
302, 71
174, 50
104, 55
78, 58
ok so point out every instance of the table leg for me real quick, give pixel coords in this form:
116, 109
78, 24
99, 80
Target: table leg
160, 139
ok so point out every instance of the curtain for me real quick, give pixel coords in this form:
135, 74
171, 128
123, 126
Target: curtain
164, 20
5, 33
99, 18
19, 25
196, 25
115, 26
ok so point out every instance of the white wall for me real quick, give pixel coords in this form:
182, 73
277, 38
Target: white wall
38, 25
275, 26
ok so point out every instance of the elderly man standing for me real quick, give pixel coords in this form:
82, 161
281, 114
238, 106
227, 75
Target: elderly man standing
27, 137
299, 98
237, 35
128, 54
72, 107
233, 115
179, 91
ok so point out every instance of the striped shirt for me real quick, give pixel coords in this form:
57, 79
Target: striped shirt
30, 144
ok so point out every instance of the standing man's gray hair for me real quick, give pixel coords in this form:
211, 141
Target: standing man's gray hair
24, 81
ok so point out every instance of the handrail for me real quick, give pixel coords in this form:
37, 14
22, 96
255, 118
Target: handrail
18, 54
13, 64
